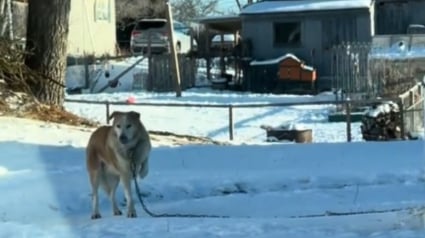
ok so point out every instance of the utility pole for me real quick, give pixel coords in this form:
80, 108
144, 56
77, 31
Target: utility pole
173, 55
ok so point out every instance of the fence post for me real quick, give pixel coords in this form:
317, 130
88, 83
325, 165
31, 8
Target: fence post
86, 72
401, 108
348, 117
231, 122
107, 112
412, 110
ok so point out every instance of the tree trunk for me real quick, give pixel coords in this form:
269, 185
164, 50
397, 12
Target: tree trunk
47, 37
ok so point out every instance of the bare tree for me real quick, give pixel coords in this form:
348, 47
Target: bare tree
187, 10
47, 35
238, 2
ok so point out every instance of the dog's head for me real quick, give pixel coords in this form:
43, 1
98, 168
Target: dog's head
125, 125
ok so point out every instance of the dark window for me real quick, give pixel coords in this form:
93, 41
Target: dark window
287, 33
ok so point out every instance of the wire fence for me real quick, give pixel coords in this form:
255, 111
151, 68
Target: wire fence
348, 105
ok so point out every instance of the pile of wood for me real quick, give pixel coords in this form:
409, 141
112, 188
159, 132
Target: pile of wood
382, 122
288, 133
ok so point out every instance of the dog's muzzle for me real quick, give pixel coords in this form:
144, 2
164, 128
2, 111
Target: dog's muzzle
123, 139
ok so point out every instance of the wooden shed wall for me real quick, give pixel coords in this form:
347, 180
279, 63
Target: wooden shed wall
394, 16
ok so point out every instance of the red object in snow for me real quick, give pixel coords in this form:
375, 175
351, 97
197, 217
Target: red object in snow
131, 100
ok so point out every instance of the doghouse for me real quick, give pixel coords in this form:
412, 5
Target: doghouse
281, 75
295, 75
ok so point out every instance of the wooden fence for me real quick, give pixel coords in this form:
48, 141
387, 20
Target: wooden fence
413, 102
159, 77
372, 69
348, 104
350, 70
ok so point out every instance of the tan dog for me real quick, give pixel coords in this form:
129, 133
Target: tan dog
111, 153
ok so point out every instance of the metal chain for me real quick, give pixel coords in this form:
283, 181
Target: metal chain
145, 208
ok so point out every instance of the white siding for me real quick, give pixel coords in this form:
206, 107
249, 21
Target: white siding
91, 28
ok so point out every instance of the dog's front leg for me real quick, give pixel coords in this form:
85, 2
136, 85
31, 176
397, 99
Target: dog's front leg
126, 181
144, 169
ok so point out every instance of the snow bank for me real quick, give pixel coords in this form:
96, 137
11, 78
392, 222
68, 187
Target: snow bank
398, 50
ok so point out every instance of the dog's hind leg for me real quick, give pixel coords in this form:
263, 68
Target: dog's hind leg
112, 181
94, 181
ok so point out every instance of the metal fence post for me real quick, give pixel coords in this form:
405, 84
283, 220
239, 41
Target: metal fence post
86, 72
231, 122
402, 118
412, 110
107, 112
348, 117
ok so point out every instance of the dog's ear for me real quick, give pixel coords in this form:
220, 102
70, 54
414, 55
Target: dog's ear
134, 115
114, 114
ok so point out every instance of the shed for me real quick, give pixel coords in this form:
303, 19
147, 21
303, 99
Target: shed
307, 29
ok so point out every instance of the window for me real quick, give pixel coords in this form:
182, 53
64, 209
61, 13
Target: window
102, 10
287, 33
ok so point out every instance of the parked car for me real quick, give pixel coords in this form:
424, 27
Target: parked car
228, 42
157, 29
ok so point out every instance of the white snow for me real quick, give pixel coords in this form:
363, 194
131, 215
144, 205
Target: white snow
264, 189
382, 108
303, 5
268, 190
398, 50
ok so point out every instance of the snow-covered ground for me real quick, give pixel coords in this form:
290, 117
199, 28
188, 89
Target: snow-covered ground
267, 190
